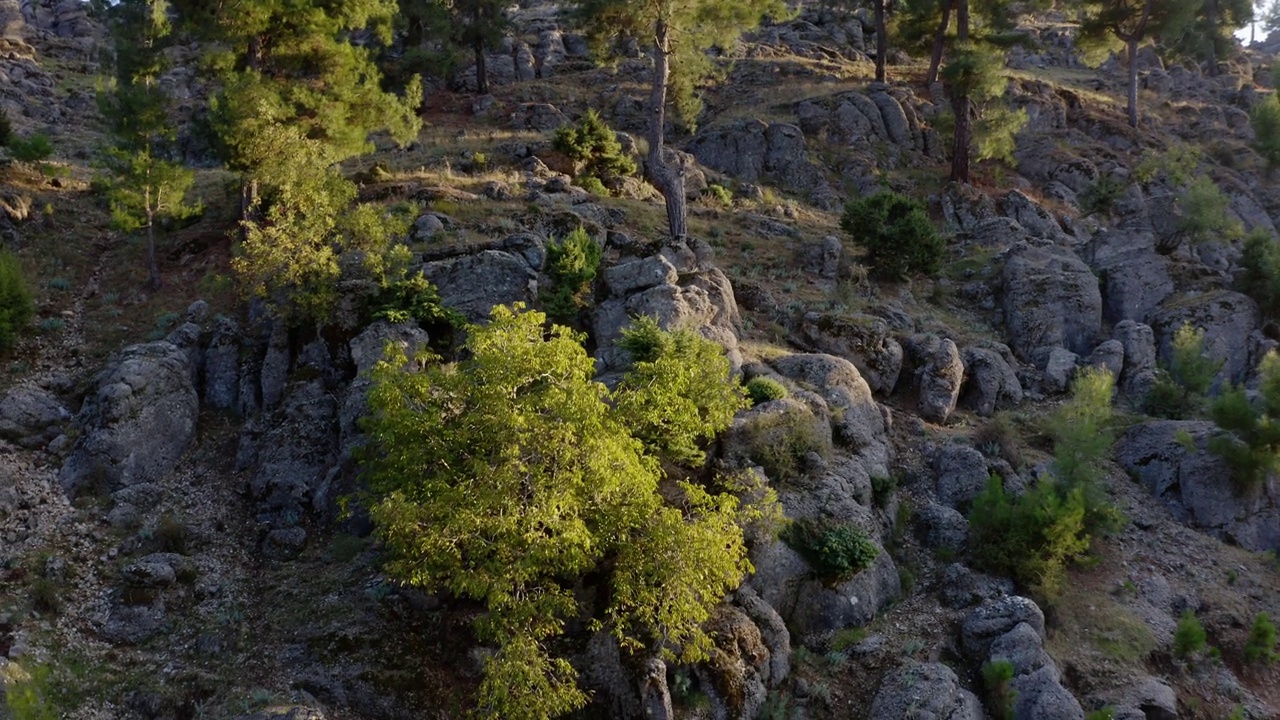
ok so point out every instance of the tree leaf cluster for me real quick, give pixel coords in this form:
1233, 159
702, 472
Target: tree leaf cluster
511, 476
1250, 443
896, 231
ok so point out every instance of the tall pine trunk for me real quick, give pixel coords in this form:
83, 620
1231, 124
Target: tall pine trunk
153, 268
962, 107
882, 40
939, 41
1211, 19
482, 75
669, 180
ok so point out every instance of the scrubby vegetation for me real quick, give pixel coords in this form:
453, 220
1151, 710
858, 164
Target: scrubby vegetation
1180, 391
836, 551
1250, 444
16, 304
1189, 638
763, 389
545, 481
595, 148
1260, 648
897, 234
572, 264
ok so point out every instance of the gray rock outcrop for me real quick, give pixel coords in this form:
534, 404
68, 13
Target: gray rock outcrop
31, 416
1228, 319
1050, 299
1197, 485
990, 382
925, 690
137, 421
864, 340
939, 376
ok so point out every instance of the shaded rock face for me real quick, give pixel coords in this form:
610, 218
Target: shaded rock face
30, 416
753, 149
473, 284
939, 376
1227, 318
1050, 299
926, 690
1011, 629
990, 382
136, 423
1197, 485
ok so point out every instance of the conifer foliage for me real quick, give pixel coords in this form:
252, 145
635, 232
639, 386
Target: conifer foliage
144, 188
678, 33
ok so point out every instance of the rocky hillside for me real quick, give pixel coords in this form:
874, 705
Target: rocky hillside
174, 465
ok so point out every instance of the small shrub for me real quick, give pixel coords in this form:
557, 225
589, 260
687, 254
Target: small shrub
1190, 637
1205, 212
718, 195
591, 184
593, 144
6, 128
49, 325
848, 637
46, 596
414, 298
897, 234
1103, 713
999, 438
1082, 439
763, 389
1250, 443
1101, 197
996, 675
1261, 645
60, 284
1030, 538
1179, 392
171, 535
16, 303
26, 694
32, 149
780, 443
1265, 118
836, 551
1260, 271
572, 265
882, 489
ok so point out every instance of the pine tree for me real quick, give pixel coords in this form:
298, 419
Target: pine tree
297, 97
472, 25
1131, 22
680, 33
144, 188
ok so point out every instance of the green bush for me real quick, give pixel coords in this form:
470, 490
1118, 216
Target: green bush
780, 443
591, 184
32, 149
1030, 538
1205, 212
1265, 118
572, 264
996, 675
1102, 713
763, 389
26, 693
1101, 197
593, 144
882, 488
1179, 391
1082, 439
897, 234
1261, 645
414, 298
719, 195
1260, 274
1250, 443
16, 303
1189, 638
836, 551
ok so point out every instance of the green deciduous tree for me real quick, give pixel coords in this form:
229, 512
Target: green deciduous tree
679, 33
143, 187
509, 476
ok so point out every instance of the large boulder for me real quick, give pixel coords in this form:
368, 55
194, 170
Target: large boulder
751, 150
137, 421
30, 415
1197, 485
990, 382
1228, 319
986, 623
1139, 367
939, 374
474, 284
857, 418
1050, 299
927, 691
294, 454
961, 473
864, 340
